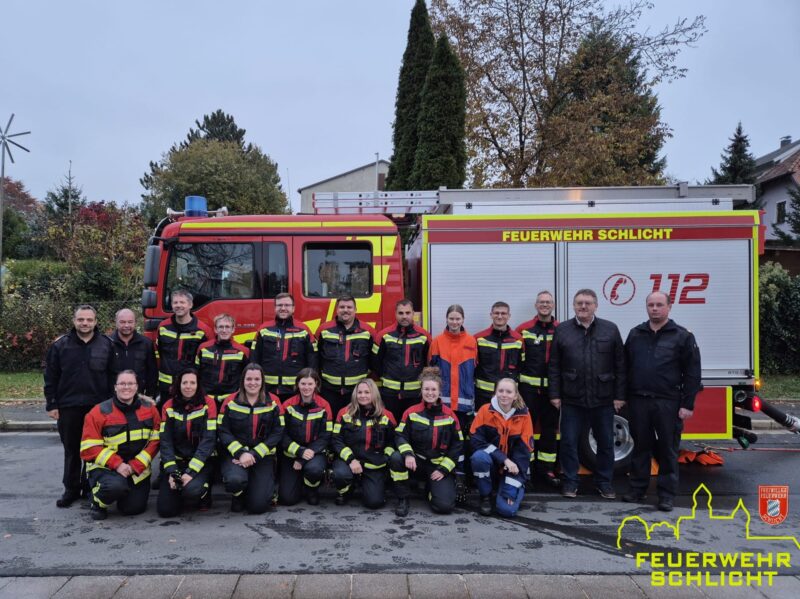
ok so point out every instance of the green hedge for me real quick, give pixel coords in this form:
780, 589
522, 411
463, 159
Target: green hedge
779, 320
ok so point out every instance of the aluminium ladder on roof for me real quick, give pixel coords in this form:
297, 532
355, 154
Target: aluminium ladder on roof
376, 202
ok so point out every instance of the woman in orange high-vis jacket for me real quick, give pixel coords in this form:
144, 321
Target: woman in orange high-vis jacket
454, 352
502, 442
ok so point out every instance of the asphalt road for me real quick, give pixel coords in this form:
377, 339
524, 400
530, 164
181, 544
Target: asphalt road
552, 535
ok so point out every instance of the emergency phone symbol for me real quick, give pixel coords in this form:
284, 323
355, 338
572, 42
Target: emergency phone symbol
619, 289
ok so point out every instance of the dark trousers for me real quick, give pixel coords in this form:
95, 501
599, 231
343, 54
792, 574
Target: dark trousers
482, 398
108, 486
338, 398
373, 482
463, 466
256, 483
545, 417
441, 494
397, 403
70, 429
292, 482
170, 502
656, 431
574, 421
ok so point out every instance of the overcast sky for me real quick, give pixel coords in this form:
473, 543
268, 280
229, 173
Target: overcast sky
112, 85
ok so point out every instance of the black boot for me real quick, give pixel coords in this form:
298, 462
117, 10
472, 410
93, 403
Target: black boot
402, 507
68, 498
312, 496
485, 506
96, 512
237, 503
461, 489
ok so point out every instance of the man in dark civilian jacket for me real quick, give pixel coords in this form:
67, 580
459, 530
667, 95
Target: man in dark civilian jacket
663, 379
134, 351
78, 375
587, 383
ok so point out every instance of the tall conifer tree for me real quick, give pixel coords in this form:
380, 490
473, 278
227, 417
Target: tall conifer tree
416, 61
441, 156
738, 165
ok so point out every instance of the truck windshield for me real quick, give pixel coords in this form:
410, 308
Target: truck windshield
212, 271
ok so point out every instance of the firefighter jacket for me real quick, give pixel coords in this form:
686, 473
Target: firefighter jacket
455, 356
400, 355
536, 339
138, 355
177, 346
283, 348
308, 426
431, 433
500, 354
504, 435
78, 373
587, 366
364, 437
255, 429
115, 433
220, 364
188, 435
344, 354
663, 364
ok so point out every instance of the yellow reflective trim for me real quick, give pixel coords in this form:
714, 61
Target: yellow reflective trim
534, 381
234, 446
513, 345
388, 451
417, 418
369, 466
103, 457
326, 334
329, 426
545, 457
165, 332
405, 448
484, 385
212, 224
262, 450
486, 343
401, 427
397, 476
346, 453
164, 378
196, 465
337, 428
443, 421
144, 458
293, 448
86, 444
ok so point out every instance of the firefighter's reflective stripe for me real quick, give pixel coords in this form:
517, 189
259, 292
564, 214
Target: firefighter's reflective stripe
388, 451
276, 334
299, 415
163, 331
512, 345
400, 385
417, 418
486, 343
103, 457
337, 428
346, 453
196, 465
279, 380
87, 443
191, 415
164, 378
484, 385
95, 491
308, 483
238, 356
292, 450
400, 427
443, 421
169, 464
369, 466
537, 339
549, 458
444, 462
234, 446
144, 458
329, 426
134, 435
234, 407
405, 448
344, 381
398, 476
264, 451
421, 340
326, 334
534, 381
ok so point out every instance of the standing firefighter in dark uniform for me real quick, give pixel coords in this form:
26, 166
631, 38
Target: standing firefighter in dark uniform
283, 347
663, 379
401, 353
500, 353
537, 335
345, 351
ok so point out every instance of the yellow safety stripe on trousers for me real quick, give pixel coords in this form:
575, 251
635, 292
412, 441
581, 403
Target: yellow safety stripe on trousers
484, 385
542, 456
398, 476
534, 381
87, 443
344, 381
234, 446
292, 450
95, 491
405, 448
444, 462
196, 465
163, 377
400, 385
308, 483
346, 453
103, 457
369, 466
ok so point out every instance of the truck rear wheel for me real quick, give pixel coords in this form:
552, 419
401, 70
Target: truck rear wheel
623, 445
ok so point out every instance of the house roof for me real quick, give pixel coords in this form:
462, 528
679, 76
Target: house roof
778, 163
358, 168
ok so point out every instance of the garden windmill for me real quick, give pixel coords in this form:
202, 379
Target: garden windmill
5, 140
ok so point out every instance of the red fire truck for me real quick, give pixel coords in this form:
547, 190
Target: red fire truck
474, 247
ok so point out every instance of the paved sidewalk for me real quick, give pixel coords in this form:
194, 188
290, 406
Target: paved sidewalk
364, 586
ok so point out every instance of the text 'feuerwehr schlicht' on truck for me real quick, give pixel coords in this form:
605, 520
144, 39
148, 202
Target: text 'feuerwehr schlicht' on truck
475, 247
